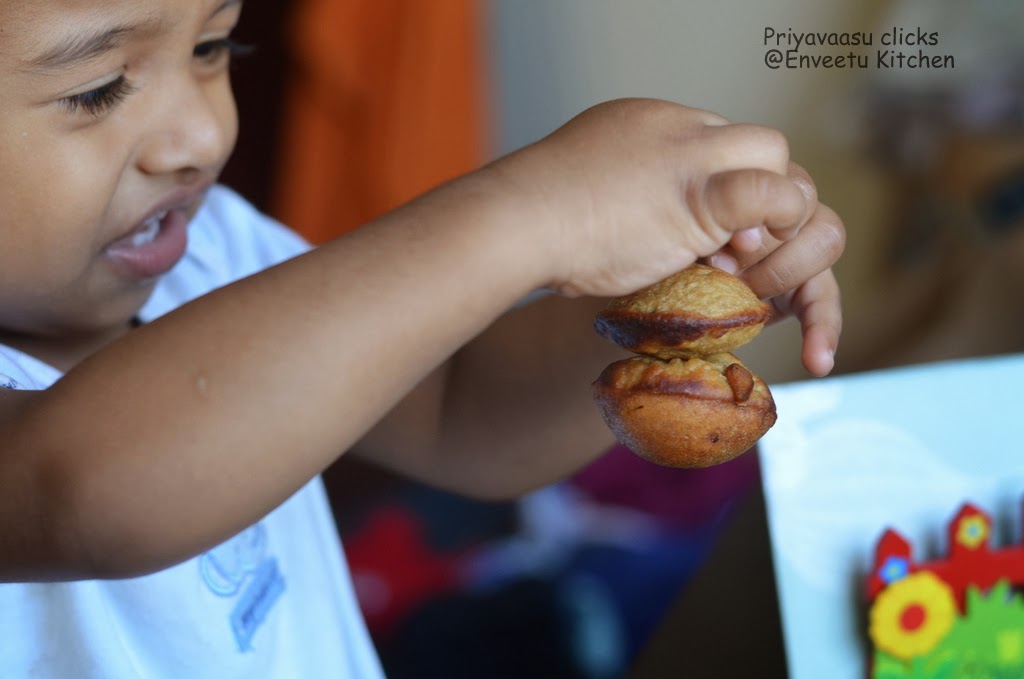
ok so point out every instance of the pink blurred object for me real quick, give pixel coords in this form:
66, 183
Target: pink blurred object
682, 497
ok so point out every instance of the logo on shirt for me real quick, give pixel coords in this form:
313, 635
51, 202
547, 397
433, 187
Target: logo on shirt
242, 568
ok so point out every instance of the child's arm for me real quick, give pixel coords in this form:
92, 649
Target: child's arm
510, 412
192, 427
513, 410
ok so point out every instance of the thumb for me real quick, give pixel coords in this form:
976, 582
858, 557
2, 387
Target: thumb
734, 201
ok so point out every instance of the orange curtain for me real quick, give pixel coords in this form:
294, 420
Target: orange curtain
384, 102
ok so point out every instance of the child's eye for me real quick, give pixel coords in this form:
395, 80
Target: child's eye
213, 50
98, 101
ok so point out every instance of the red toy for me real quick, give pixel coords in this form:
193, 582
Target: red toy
955, 617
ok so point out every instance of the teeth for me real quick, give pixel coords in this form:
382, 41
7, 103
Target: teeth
149, 230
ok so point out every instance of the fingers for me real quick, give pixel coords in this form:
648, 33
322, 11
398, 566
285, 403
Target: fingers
738, 146
777, 236
799, 176
731, 205
749, 246
816, 248
792, 267
818, 307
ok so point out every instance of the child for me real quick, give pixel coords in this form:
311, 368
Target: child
164, 428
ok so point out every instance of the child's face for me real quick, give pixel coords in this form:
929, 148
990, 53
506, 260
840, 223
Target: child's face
115, 116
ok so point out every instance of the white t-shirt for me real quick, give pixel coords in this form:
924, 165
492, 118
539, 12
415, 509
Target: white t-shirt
274, 601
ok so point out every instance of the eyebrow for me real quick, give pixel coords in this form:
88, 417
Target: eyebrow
83, 47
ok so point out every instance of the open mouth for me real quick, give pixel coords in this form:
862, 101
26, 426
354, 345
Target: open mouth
154, 247
149, 230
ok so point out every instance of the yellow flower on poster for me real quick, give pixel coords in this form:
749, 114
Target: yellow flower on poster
911, 616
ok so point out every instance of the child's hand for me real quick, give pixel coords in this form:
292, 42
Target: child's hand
639, 189
795, 275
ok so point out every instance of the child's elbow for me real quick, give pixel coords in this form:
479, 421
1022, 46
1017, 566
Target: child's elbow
103, 534
59, 527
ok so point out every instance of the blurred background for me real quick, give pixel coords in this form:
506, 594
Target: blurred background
350, 107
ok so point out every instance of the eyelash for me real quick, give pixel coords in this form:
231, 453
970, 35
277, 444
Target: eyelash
103, 98
213, 49
97, 101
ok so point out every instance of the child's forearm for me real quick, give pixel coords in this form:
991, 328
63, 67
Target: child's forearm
517, 409
536, 416
216, 413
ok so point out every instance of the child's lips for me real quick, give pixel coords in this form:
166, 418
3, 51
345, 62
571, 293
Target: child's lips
154, 247
159, 240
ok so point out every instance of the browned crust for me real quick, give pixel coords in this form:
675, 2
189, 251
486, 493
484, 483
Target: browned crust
660, 333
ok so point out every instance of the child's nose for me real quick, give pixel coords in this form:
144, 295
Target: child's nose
194, 128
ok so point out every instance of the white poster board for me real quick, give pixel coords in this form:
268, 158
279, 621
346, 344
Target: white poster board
851, 456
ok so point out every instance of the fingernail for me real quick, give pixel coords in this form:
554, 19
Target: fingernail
725, 263
753, 237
